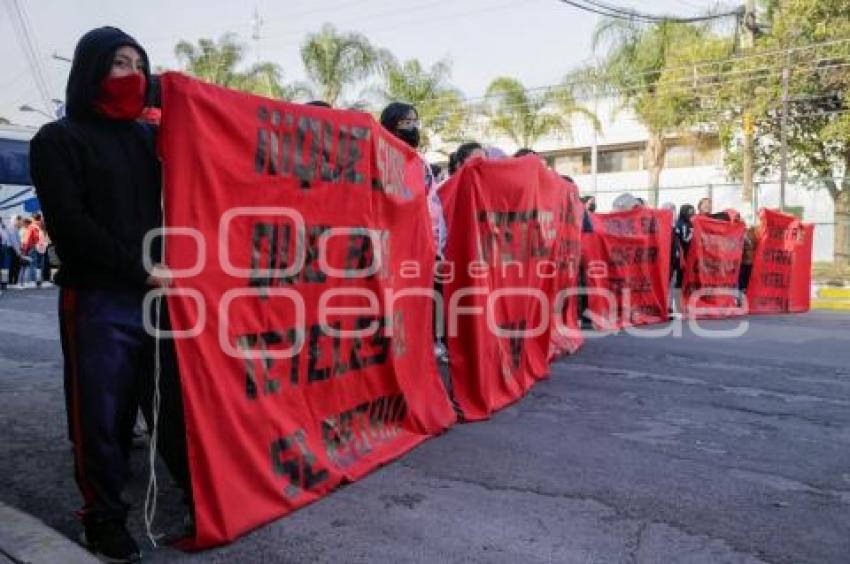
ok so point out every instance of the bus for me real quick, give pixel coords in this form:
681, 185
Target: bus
17, 196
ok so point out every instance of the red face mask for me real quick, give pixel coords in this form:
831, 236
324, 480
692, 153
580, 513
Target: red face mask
122, 97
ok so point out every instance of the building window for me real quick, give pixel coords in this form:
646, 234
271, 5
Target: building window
574, 164
680, 156
685, 156
707, 156
622, 160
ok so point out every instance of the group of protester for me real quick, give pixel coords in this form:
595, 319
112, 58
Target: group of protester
402, 120
26, 252
103, 152
682, 233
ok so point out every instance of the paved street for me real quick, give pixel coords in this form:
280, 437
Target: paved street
635, 450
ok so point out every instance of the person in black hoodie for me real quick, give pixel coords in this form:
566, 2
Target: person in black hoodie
97, 177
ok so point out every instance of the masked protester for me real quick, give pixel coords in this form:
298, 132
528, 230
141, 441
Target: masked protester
402, 120
97, 177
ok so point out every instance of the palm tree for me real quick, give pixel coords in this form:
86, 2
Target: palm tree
525, 116
335, 61
218, 62
440, 106
634, 69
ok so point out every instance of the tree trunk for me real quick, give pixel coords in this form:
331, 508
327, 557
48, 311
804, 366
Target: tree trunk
654, 155
841, 238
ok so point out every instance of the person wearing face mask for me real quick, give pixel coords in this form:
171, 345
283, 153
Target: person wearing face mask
97, 176
402, 120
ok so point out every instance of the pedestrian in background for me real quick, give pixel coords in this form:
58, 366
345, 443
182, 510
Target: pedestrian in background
30, 244
6, 252
14, 229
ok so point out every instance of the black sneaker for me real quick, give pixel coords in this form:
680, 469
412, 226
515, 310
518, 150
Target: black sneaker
109, 541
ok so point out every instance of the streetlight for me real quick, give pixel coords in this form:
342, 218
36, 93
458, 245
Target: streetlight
28, 108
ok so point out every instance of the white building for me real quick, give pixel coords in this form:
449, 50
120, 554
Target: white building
610, 162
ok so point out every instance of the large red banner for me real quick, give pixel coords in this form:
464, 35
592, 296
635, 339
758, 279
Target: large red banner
302, 276
782, 268
710, 282
513, 243
627, 267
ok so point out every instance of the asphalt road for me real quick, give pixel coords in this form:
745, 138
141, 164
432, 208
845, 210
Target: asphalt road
635, 450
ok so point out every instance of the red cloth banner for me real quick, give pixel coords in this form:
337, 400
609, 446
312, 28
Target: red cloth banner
782, 268
297, 232
567, 338
513, 245
627, 267
710, 283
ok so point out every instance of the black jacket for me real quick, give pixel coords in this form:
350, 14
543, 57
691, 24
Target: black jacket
98, 180
684, 232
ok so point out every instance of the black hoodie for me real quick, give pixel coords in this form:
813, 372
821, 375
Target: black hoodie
98, 179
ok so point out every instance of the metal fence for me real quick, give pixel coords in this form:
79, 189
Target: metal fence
811, 202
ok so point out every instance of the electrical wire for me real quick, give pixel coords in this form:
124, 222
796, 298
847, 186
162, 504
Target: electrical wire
704, 88
618, 12
19, 21
769, 55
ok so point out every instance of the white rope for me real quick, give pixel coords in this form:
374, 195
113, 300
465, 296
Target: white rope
150, 495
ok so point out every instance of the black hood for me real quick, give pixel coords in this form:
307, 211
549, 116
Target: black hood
92, 63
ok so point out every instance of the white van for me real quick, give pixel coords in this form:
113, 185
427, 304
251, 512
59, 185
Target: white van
16, 192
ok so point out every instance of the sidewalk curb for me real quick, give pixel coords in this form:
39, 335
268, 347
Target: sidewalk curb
23, 538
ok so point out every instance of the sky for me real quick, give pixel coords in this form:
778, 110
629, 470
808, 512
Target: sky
535, 41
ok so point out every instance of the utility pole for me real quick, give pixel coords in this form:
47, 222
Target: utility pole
594, 148
748, 37
256, 28
783, 170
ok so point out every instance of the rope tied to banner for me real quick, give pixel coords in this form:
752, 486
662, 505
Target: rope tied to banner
152, 489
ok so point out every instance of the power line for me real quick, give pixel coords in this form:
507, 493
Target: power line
156, 40
396, 25
679, 86
662, 18
20, 25
618, 12
770, 55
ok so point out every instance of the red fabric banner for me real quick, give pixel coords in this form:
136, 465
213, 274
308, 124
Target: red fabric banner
710, 282
513, 243
567, 338
627, 267
782, 268
294, 214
